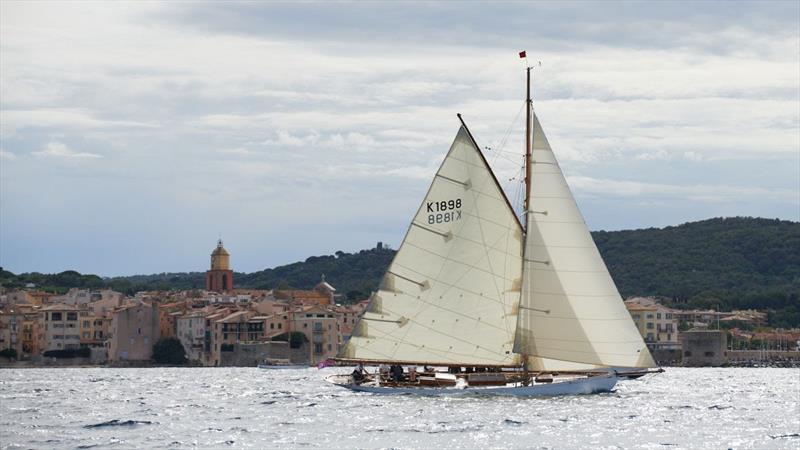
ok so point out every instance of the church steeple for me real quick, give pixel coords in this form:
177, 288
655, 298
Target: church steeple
219, 278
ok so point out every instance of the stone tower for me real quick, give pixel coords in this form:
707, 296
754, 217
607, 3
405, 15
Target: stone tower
220, 277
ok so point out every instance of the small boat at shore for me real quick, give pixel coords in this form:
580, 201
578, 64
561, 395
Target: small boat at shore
508, 306
276, 363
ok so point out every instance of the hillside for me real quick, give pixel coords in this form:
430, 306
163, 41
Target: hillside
725, 263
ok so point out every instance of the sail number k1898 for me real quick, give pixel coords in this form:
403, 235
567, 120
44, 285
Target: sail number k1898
444, 211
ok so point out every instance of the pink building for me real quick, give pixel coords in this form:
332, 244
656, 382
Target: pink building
134, 329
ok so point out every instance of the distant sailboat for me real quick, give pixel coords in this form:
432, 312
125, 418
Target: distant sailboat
509, 308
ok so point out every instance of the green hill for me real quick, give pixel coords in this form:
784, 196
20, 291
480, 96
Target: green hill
728, 263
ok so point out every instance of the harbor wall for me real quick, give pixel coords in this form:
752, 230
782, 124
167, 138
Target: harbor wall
251, 354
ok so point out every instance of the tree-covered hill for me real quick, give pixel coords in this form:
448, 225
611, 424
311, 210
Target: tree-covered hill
728, 263
725, 263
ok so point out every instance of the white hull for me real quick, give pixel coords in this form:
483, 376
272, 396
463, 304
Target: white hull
578, 386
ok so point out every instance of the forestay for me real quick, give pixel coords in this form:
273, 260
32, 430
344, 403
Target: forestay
450, 294
570, 308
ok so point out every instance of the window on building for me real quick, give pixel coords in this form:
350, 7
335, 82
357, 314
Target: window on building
669, 336
280, 325
650, 337
317, 326
649, 325
86, 324
658, 315
318, 349
687, 353
709, 354
649, 316
55, 316
330, 347
668, 315
72, 316
272, 326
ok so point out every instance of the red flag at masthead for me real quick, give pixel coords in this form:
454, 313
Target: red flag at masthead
522, 54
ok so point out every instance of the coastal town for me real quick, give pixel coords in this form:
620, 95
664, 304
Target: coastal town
222, 326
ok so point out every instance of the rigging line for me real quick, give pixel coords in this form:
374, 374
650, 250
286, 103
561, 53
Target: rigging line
471, 266
506, 135
460, 237
504, 139
446, 354
455, 338
489, 262
413, 318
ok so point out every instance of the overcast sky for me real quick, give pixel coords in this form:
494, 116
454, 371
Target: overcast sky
133, 134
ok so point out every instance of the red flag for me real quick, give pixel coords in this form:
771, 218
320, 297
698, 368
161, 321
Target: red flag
522, 54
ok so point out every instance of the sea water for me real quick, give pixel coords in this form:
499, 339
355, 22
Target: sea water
256, 408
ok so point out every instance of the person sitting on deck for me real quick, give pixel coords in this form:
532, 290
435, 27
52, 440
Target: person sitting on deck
358, 374
397, 372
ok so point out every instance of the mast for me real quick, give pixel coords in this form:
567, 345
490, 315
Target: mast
528, 138
528, 157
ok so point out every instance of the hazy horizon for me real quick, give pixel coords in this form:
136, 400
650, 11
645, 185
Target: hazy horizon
133, 135
391, 245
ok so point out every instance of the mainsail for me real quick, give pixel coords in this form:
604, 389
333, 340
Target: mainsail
570, 308
450, 295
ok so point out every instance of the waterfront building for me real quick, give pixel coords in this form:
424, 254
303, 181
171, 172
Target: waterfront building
347, 316
94, 329
31, 330
191, 332
657, 324
11, 329
168, 315
238, 327
134, 331
321, 330
61, 327
704, 348
219, 278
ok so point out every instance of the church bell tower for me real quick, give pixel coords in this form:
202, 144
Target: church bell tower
220, 277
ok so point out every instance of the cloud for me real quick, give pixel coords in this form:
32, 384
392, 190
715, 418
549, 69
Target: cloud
5, 154
241, 151
279, 111
62, 119
594, 187
60, 150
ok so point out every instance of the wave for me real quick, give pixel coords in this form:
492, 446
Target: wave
119, 423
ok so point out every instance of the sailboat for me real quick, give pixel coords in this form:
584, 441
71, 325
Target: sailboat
509, 307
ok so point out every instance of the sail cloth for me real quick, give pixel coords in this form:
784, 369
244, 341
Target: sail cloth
570, 308
450, 294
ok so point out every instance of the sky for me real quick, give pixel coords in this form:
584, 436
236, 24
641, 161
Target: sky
134, 134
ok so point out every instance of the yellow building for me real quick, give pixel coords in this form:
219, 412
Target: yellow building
657, 324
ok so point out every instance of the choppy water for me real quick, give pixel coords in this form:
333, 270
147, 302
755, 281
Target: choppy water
252, 408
